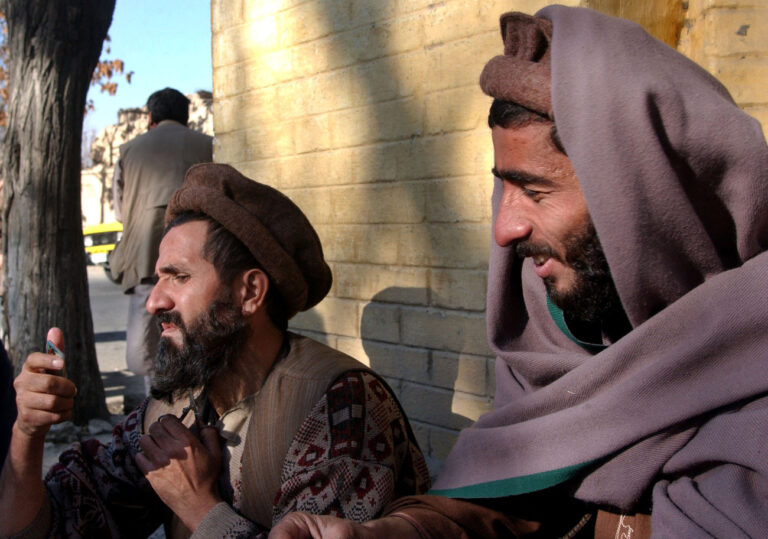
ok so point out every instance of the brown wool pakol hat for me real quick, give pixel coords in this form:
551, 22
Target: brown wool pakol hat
522, 74
270, 225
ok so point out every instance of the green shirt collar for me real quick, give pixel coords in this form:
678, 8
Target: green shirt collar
557, 315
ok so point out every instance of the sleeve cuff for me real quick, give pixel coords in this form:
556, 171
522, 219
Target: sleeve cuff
218, 520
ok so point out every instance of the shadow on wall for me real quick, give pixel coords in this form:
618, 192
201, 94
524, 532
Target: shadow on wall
311, 319
437, 361
395, 199
406, 198
441, 390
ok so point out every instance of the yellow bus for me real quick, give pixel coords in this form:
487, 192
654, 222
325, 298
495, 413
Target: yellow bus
99, 241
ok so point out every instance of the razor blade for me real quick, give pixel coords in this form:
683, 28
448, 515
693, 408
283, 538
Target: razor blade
53, 350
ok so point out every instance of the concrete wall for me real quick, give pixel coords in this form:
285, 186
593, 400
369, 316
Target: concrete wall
368, 115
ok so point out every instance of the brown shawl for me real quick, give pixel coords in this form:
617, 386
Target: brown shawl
675, 177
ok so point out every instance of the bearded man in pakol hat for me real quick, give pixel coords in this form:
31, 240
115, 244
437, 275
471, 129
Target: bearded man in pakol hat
247, 421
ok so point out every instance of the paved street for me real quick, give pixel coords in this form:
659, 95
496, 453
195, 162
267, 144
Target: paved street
109, 308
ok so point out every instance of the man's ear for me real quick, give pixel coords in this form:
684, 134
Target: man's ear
251, 287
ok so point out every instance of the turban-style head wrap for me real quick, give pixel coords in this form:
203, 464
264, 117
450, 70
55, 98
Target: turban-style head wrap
522, 74
268, 223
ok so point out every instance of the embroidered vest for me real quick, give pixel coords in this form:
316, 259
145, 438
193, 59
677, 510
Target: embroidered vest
292, 388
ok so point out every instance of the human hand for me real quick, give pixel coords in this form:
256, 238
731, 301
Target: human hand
182, 470
305, 526
42, 398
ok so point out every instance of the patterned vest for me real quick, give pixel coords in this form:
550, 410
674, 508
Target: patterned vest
292, 388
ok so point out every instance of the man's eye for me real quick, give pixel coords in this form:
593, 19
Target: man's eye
181, 277
530, 193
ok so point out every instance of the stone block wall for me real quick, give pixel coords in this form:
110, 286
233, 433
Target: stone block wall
368, 115
730, 40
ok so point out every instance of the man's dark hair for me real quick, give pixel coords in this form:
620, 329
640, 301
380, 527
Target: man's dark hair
509, 115
229, 257
168, 104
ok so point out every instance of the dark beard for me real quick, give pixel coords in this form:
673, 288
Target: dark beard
209, 345
593, 298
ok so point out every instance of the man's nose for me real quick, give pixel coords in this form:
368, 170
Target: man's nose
158, 300
511, 222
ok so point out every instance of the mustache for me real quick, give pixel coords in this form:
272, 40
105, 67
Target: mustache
527, 248
170, 317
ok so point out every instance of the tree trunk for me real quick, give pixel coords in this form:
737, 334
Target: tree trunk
53, 49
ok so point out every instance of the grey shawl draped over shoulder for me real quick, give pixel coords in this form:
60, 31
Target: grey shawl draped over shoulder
676, 181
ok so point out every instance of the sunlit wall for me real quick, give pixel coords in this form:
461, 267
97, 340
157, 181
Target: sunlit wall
367, 113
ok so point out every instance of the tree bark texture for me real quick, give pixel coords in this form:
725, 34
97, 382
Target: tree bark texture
53, 49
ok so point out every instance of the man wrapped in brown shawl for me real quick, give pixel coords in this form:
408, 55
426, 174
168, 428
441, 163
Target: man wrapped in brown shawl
672, 416
667, 413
